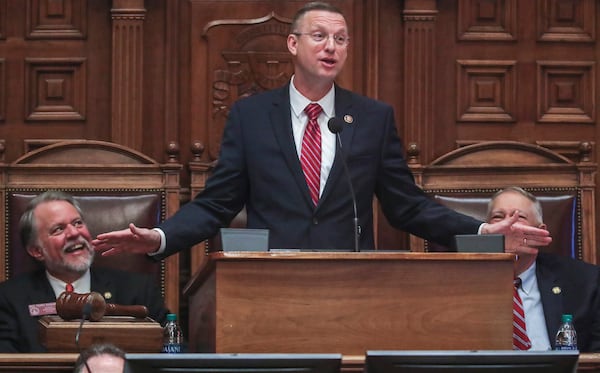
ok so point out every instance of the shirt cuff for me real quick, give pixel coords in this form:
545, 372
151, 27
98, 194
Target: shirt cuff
479, 231
163, 242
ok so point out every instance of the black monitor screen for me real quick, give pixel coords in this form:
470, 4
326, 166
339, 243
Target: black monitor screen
231, 363
471, 361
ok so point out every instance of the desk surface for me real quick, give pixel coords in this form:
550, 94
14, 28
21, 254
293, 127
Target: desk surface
59, 362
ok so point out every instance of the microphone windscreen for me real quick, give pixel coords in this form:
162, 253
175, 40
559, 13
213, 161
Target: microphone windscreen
335, 125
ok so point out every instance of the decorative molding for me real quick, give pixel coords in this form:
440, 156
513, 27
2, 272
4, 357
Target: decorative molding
566, 20
127, 74
34, 144
576, 151
486, 91
3, 89
56, 19
566, 92
419, 72
55, 89
3, 12
487, 20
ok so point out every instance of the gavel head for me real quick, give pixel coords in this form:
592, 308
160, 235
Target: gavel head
69, 306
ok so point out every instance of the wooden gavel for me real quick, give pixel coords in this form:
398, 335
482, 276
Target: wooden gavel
70, 306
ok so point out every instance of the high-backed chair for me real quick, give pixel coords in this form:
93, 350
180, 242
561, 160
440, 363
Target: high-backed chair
465, 179
115, 186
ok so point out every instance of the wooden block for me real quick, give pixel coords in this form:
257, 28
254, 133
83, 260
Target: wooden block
129, 333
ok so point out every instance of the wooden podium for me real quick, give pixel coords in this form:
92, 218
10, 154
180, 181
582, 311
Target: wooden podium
348, 303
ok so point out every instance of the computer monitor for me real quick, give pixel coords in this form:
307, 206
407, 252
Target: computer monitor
471, 361
230, 363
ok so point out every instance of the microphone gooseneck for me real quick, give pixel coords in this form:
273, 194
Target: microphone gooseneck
85, 314
336, 126
86, 311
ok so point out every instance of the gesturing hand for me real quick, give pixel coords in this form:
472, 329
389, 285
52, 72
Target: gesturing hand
132, 240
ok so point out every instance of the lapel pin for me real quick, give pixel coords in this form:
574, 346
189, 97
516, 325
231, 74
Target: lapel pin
348, 119
556, 290
107, 295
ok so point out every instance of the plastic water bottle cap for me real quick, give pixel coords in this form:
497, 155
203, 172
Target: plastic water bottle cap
171, 317
567, 318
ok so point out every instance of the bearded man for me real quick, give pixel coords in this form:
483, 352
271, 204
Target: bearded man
54, 233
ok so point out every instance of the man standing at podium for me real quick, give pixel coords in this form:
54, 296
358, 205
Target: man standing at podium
550, 285
279, 160
53, 232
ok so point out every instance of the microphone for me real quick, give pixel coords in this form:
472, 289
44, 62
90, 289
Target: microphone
336, 126
85, 313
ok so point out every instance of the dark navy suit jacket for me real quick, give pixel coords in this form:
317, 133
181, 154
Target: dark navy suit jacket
259, 167
570, 286
19, 330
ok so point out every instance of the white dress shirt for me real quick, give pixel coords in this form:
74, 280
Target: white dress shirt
81, 286
534, 310
300, 120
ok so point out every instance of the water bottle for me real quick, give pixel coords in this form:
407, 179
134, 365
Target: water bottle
172, 336
566, 337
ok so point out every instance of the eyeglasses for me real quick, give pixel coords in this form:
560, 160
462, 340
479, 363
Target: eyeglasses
320, 37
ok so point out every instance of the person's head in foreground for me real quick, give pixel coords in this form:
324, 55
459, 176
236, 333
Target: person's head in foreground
101, 358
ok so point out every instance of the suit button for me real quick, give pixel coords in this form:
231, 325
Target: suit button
315, 221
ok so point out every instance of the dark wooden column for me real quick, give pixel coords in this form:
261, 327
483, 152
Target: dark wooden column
419, 69
127, 72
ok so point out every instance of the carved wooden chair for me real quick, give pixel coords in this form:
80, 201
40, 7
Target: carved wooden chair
114, 184
465, 179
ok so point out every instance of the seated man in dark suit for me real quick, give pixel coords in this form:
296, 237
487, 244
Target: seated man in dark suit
53, 232
551, 285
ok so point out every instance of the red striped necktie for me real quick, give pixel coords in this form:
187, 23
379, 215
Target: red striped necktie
310, 156
520, 339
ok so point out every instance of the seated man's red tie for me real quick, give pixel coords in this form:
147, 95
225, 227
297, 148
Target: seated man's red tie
520, 339
69, 288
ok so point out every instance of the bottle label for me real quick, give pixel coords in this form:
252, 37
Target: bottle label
566, 348
171, 348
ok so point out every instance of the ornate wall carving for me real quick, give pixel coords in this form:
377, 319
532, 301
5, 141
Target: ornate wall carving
244, 58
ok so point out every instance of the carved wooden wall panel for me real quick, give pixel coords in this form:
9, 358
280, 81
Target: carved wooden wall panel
566, 20
566, 92
487, 20
56, 19
55, 89
247, 56
56, 63
486, 91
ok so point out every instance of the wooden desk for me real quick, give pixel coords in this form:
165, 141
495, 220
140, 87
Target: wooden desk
349, 303
49, 362
64, 363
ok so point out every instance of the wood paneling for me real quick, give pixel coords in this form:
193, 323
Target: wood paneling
55, 89
56, 19
151, 73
